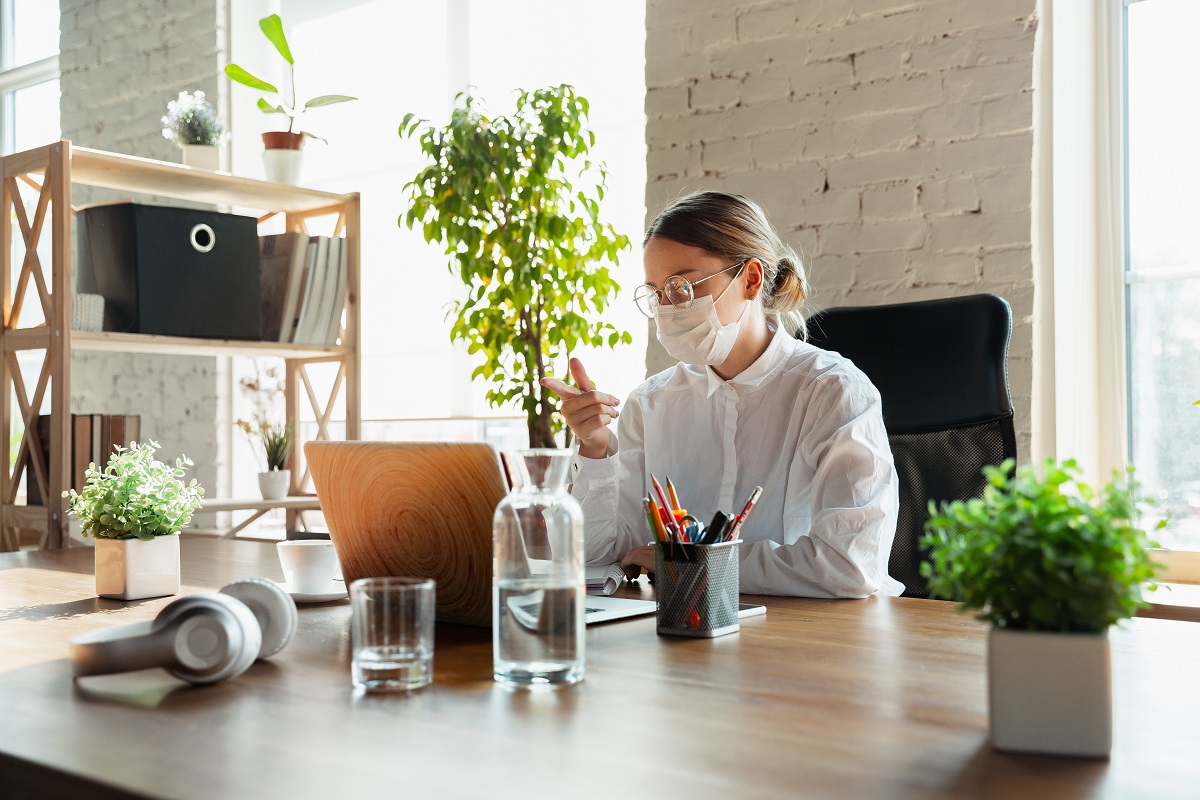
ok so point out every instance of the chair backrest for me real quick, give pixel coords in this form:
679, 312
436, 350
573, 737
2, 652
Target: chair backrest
941, 368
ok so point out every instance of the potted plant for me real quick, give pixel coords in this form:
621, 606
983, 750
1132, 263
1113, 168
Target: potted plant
282, 149
275, 444
135, 508
516, 203
192, 124
1052, 565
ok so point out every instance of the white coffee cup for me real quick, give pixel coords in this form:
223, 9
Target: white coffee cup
309, 565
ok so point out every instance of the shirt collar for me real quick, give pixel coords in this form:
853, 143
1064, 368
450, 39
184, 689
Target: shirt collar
773, 357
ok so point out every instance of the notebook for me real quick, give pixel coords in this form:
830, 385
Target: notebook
424, 509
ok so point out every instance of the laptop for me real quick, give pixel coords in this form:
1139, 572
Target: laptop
425, 509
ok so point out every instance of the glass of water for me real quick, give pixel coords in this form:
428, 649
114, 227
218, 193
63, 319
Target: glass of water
391, 633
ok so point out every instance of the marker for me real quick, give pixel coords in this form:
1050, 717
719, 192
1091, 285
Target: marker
716, 529
737, 523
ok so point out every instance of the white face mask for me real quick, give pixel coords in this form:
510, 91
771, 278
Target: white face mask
695, 335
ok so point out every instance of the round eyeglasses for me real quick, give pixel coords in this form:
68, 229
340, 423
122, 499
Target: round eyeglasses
677, 290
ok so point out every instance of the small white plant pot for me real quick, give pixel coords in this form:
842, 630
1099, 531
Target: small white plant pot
1050, 692
132, 569
274, 484
202, 156
283, 165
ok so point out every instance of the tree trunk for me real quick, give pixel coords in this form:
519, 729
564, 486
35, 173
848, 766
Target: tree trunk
541, 428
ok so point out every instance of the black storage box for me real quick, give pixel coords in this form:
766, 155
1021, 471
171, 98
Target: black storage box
171, 271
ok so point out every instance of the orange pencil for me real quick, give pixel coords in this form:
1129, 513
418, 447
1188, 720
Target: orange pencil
660, 530
675, 504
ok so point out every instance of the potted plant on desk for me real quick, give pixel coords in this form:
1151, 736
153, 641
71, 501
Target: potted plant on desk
1052, 565
135, 507
276, 444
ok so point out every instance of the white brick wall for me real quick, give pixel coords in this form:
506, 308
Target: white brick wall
122, 60
891, 140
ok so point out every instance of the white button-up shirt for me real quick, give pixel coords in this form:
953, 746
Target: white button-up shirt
803, 423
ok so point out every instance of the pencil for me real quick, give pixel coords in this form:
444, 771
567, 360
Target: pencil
675, 505
660, 530
736, 528
650, 519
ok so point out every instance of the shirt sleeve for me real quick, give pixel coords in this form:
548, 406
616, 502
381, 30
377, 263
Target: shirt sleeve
854, 503
609, 490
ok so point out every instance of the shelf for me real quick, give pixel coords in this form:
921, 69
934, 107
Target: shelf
133, 174
108, 341
295, 503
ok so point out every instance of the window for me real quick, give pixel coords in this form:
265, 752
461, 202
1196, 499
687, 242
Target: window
29, 94
416, 384
1162, 269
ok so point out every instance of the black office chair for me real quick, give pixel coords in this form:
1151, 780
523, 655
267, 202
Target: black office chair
941, 368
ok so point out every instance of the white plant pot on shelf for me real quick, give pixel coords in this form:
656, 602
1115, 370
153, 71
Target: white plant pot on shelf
1050, 692
274, 484
132, 569
282, 165
202, 156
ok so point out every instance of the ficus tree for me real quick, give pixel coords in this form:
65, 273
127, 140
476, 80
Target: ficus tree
515, 201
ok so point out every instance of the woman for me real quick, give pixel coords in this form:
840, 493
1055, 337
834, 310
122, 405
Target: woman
749, 404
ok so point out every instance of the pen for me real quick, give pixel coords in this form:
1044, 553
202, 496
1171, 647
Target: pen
737, 523
675, 505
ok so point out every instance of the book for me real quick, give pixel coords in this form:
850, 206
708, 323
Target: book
331, 308
281, 267
340, 295
306, 322
605, 578
81, 449
287, 333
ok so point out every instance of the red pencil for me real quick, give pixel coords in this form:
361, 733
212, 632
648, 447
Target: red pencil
736, 528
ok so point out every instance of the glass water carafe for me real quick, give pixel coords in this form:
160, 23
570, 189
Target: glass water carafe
538, 577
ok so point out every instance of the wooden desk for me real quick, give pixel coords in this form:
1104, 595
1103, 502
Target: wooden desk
881, 698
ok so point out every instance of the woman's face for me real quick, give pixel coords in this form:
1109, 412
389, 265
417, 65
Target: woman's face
663, 258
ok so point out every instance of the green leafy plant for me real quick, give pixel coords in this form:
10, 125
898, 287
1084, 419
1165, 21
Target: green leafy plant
191, 119
135, 496
1042, 554
272, 28
500, 194
274, 440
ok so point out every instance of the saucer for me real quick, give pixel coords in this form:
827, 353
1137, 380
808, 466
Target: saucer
335, 591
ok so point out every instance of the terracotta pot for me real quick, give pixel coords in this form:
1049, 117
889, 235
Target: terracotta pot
282, 140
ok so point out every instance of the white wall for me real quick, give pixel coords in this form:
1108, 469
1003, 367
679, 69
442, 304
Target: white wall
890, 140
121, 61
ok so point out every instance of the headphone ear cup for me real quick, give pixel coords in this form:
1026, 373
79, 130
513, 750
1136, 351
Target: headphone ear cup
213, 637
274, 609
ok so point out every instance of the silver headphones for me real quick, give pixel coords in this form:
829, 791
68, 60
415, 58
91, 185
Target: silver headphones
200, 638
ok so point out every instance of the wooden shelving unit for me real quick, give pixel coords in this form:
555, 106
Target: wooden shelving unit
43, 177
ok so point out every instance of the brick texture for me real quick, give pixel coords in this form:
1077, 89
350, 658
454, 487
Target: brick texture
121, 61
891, 140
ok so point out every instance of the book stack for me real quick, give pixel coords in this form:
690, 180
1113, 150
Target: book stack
93, 437
303, 287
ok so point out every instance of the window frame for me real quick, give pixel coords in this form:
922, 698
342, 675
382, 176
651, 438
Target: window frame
15, 78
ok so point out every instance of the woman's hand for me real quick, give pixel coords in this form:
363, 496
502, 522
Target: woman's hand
587, 411
637, 559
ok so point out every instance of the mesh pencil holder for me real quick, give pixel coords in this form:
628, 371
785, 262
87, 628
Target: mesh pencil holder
697, 589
